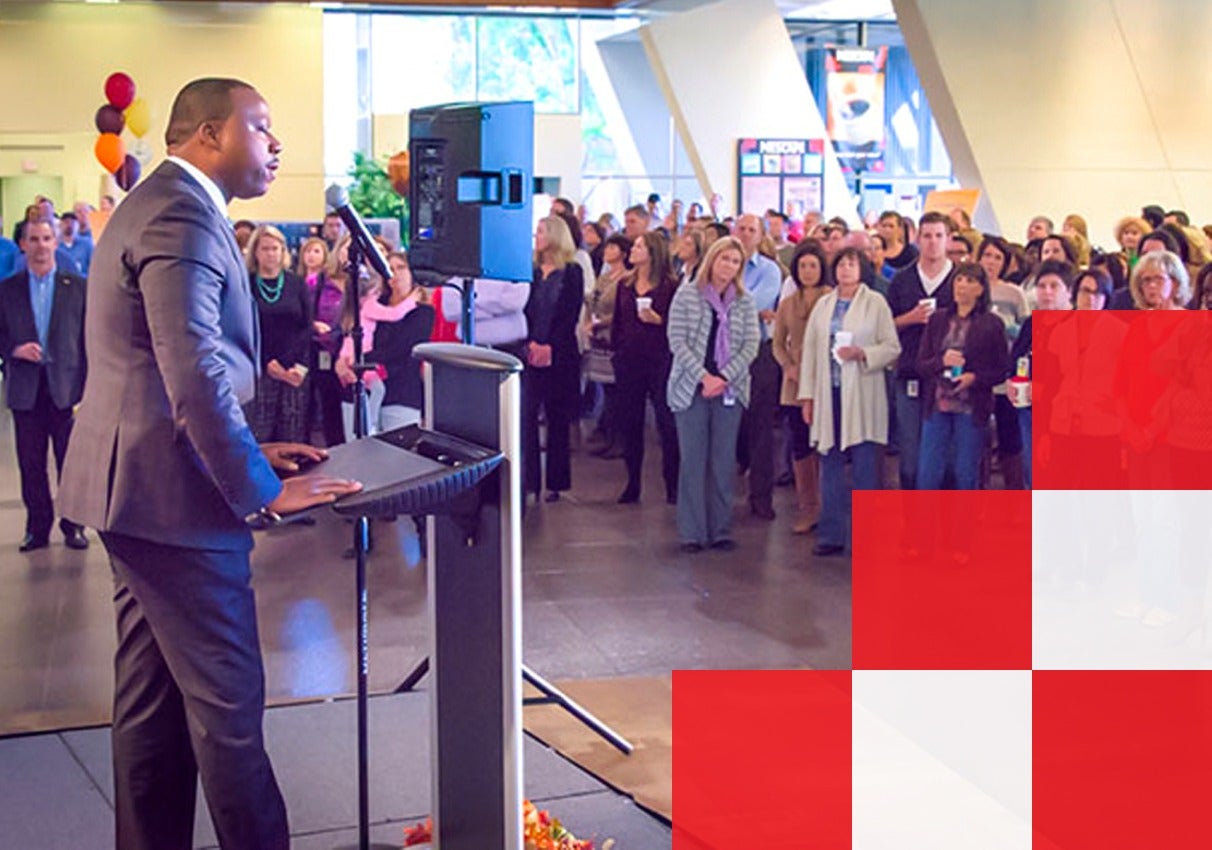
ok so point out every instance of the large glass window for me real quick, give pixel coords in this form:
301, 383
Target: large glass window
381, 65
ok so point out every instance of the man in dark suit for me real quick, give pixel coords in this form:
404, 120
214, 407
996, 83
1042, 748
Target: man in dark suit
164, 465
42, 340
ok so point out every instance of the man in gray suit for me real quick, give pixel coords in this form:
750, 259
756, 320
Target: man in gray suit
162, 463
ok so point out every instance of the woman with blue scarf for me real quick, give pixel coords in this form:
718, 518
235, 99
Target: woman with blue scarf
713, 335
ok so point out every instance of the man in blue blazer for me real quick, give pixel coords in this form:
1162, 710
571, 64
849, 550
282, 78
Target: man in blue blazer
164, 465
42, 342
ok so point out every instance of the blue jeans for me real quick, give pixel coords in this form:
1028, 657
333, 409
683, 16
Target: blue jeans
1024, 424
908, 432
833, 526
950, 438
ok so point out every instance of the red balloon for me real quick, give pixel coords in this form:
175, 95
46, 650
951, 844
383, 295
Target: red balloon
128, 175
119, 90
109, 119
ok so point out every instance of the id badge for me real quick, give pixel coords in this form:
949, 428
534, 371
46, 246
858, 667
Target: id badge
324, 362
729, 399
911, 388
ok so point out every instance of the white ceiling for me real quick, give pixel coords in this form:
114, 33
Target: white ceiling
845, 10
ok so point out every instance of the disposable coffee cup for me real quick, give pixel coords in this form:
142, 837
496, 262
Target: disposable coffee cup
643, 303
1018, 391
931, 304
843, 338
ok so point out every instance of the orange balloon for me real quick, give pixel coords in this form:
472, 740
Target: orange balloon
110, 151
398, 171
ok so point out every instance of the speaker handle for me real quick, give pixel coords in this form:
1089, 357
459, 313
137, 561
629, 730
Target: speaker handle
515, 185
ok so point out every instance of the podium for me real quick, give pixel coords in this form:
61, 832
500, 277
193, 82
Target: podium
475, 606
463, 471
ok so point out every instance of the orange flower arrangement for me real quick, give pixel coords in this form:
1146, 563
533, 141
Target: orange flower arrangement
540, 831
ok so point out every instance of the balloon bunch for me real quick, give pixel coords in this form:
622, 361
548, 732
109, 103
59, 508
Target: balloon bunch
123, 111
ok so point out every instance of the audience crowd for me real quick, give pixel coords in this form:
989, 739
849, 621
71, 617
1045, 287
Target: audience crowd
766, 352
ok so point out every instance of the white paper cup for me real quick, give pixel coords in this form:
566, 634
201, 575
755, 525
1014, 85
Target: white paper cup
930, 303
1018, 390
843, 338
643, 303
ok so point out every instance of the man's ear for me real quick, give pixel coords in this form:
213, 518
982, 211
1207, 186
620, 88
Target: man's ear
208, 134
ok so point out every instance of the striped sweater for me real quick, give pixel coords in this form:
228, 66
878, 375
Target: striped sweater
689, 328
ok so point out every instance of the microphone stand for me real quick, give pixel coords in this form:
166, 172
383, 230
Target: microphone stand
361, 545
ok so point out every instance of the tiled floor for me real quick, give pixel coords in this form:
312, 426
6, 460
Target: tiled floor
605, 593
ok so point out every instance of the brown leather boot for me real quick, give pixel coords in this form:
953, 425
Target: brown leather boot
807, 473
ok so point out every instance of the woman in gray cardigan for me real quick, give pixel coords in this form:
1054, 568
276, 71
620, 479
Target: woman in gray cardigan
713, 335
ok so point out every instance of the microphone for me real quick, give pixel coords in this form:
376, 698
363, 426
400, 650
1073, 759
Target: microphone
338, 202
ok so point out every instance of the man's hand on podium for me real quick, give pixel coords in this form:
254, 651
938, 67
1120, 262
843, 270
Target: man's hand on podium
285, 457
305, 491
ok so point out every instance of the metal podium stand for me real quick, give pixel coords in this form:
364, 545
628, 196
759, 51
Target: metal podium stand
475, 606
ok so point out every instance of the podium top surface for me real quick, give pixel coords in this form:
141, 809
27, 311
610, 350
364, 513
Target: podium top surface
470, 357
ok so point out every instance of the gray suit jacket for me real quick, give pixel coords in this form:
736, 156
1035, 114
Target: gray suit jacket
160, 448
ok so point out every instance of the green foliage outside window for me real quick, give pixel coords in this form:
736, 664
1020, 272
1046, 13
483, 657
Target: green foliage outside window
371, 193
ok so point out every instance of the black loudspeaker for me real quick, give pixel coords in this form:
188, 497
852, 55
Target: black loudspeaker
471, 189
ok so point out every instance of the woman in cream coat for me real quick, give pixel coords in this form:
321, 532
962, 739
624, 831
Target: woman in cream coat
842, 391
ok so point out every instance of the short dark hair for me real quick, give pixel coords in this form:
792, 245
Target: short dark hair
999, 244
1115, 264
637, 209
1153, 214
68, 216
654, 198
236, 225
848, 251
959, 237
1059, 268
1066, 246
1101, 279
934, 217
207, 99
1180, 216
565, 203
813, 247
1181, 246
1163, 236
623, 244
721, 230
973, 271
331, 214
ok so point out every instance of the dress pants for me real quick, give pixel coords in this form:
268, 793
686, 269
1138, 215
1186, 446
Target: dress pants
765, 381
189, 694
707, 433
33, 430
279, 411
637, 383
554, 390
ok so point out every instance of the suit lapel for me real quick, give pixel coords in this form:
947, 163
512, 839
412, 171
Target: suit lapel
58, 304
24, 311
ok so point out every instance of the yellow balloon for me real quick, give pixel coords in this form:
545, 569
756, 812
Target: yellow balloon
138, 117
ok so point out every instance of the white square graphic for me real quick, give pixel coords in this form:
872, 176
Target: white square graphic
1120, 579
942, 759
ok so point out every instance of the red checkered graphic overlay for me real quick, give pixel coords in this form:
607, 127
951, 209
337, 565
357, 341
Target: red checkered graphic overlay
761, 759
942, 580
1122, 400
